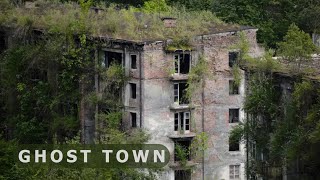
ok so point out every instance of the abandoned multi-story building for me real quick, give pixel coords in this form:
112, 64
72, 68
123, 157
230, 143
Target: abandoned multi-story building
155, 99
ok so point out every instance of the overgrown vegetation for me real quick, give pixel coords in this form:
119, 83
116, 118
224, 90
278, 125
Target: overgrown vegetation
195, 151
197, 77
272, 18
137, 24
297, 47
281, 124
47, 90
195, 85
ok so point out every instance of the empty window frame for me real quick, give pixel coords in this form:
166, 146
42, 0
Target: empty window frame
133, 90
182, 63
133, 118
133, 61
182, 121
234, 145
234, 171
233, 115
180, 93
112, 58
233, 88
233, 58
182, 174
182, 150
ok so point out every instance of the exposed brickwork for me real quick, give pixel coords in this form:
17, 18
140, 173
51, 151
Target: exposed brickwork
169, 22
156, 107
158, 96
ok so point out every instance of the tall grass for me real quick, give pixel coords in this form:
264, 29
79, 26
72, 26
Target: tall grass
131, 24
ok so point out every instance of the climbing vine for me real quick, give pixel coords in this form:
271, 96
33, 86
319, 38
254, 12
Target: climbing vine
196, 77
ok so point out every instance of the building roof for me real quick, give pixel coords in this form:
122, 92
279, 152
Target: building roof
130, 25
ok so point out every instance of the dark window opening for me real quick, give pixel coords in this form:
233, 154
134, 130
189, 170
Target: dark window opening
37, 75
233, 58
233, 115
182, 63
180, 93
133, 61
182, 121
133, 119
234, 145
182, 174
182, 150
112, 58
133, 90
233, 87
3, 45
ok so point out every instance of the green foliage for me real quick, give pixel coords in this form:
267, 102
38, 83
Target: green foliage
238, 132
110, 22
9, 170
85, 5
179, 44
182, 154
112, 119
253, 13
115, 74
301, 91
193, 5
236, 72
297, 46
152, 6
197, 76
5, 7
266, 63
242, 46
45, 77
262, 96
262, 108
309, 18
114, 79
199, 144
273, 18
284, 128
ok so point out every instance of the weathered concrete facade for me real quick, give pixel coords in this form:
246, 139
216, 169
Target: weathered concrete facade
159, 87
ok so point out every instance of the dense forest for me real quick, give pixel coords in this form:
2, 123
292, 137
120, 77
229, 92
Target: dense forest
38, 78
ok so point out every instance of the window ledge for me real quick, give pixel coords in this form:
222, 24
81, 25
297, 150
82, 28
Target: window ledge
178, 50
235, 153
181, 136
177, 166
179, 77
180, 107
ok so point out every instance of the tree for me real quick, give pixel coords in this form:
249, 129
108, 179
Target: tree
155, 6
194, 5
297, 46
